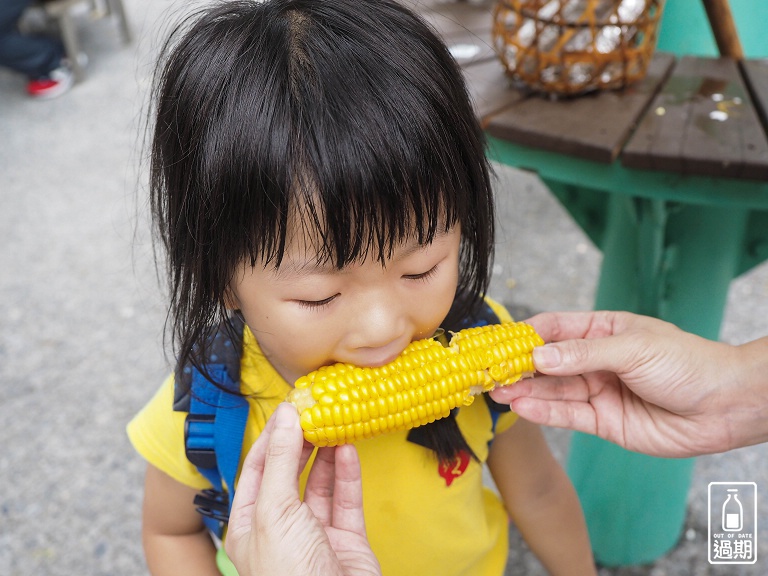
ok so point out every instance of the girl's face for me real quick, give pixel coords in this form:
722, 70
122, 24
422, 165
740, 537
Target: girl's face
306, 315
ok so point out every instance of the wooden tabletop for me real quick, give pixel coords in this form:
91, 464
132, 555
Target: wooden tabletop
691, 116
701, 122
594, 126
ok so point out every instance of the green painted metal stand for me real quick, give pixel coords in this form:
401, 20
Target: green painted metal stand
671, 246
634, 504
674, 262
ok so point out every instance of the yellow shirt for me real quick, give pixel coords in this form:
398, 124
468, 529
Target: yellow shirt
421, 520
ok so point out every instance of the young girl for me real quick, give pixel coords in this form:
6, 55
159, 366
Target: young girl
318, 173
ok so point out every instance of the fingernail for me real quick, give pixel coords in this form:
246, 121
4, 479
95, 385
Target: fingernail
547, 356
285, 416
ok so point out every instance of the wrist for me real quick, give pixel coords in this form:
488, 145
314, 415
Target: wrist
745, 396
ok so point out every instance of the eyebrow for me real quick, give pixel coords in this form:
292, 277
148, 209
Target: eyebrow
290, 266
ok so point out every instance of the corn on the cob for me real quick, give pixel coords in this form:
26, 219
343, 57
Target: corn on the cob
343, 403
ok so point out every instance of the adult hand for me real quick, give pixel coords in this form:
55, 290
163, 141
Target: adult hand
636, 381
271, 531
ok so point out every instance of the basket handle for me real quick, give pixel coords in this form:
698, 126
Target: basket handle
724, 28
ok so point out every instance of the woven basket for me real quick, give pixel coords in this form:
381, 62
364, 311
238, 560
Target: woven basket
575, 46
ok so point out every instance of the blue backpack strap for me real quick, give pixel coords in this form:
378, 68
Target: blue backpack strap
216, 420
496, 410
482, 315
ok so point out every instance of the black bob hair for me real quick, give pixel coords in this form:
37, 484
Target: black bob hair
352, 112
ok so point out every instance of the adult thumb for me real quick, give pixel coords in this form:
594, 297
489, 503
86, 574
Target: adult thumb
281, 467
578, 356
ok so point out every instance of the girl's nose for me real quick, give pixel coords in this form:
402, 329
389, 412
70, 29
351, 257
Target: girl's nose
381, 325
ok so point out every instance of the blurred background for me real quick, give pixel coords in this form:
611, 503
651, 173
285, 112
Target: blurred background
82, 313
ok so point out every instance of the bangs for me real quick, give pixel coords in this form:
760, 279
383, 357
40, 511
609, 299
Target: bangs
368, 145
357, 204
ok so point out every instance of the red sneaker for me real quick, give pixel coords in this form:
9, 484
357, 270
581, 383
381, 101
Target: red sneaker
57, 83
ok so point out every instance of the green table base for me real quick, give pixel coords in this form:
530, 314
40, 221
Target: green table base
670, 260
675, 262
635, 505
671, 246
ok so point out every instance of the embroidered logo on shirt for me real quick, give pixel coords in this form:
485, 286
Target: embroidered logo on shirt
455, 468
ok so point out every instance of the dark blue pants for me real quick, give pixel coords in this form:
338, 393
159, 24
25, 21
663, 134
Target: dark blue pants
29, 54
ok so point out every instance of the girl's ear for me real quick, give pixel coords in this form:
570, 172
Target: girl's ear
231, 301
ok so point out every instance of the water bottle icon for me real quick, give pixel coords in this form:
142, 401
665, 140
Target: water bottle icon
733, 513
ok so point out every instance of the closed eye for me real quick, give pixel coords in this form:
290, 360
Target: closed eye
316, 304
424, 276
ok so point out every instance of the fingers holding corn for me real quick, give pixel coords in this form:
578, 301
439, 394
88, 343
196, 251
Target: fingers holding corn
343, 403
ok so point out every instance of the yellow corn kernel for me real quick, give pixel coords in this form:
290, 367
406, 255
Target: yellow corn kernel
344, 403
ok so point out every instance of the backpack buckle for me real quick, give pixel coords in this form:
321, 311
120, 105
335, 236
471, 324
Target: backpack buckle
213, 504
198, 440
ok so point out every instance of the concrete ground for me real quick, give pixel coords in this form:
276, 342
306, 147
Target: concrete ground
82, 312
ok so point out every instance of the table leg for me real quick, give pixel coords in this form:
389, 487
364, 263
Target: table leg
71, 44
116, 8
674, 262
670, 260
634, 504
